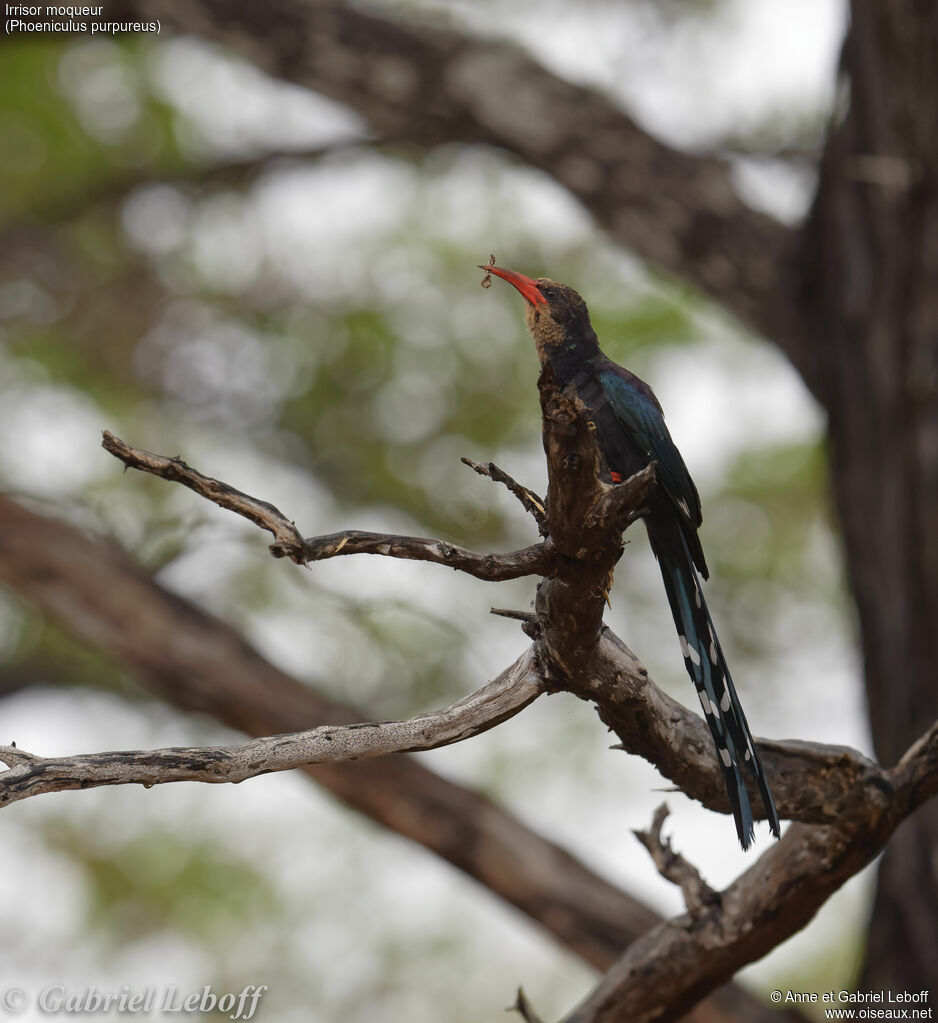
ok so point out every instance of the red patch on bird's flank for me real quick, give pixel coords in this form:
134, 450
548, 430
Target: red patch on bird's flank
616, 477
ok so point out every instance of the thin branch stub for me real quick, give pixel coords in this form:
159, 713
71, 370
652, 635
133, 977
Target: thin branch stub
698, 895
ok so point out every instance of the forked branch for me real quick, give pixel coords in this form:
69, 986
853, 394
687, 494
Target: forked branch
537, 559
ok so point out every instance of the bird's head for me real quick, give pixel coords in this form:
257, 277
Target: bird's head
555, 314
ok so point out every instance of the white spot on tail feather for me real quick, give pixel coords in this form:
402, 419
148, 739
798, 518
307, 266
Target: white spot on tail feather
725, 757
689, 652
725, 702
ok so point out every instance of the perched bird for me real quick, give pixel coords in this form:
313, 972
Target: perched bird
631, 433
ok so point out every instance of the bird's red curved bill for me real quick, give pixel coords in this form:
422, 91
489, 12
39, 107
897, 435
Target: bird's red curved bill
525, 285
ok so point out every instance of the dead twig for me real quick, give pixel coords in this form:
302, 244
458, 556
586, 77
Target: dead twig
698, 895
532, 504
288, 542
286, 536
534, 560
524, 1008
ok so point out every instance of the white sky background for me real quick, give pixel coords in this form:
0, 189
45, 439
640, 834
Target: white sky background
716, 75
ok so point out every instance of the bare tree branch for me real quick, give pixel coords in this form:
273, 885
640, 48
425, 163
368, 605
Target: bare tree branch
524, 1008
531, 503
286, 536
698, 895
534, 560
529, 617
669, 968
511, 692
811, 782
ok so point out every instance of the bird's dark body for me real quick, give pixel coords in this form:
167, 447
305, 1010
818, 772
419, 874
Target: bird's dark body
623, 453
622, 456
630, 432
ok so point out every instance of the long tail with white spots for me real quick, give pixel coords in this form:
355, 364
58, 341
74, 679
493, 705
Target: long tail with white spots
707, 668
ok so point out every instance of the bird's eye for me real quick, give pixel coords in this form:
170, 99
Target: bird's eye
550, 294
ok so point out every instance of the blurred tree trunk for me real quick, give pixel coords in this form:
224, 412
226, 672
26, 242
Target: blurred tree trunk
871, 289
